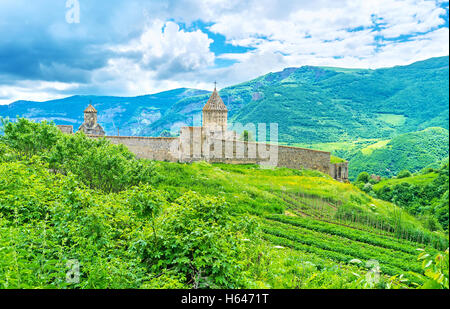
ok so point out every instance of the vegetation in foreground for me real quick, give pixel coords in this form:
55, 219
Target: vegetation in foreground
141, 224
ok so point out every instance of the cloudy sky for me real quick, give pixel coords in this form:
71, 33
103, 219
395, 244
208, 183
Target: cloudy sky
135, 47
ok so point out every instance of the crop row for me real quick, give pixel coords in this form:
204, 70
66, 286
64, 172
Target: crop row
353, 234
334, 240
322, 209
326, 213
299, 209
335, 256
353, 250
357, 250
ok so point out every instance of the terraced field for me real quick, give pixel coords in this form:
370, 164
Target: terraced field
311, 224
326, 210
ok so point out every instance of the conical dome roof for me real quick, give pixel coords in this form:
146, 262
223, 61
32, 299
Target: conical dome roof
90, 109
215, 103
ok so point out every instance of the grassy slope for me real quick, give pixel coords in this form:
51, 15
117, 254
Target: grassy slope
302, 239
299, 210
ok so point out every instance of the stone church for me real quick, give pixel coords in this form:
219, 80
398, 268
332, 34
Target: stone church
213, 142
90, 125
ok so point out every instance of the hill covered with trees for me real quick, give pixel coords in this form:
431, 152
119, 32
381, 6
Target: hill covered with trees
410, 151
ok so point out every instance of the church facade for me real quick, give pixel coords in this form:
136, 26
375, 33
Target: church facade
213, 142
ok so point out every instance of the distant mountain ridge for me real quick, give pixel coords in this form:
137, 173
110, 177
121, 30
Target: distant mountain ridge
128, 114
310, 104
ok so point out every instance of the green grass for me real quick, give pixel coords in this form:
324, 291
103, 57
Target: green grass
369, 149
246, 226
334, 159
392, 119
260, 191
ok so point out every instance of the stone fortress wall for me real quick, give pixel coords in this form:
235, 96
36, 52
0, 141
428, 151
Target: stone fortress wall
175, 149
196, 144
212, 142
152, 148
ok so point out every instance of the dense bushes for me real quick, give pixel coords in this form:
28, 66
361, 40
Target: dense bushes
96, 162
404, 174
420, 195
131, 239
99, 164
28, 138
95, 202
196, 238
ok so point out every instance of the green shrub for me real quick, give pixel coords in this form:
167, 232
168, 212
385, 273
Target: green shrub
363, 177
367, 187
196, 239
30, 138
404, 174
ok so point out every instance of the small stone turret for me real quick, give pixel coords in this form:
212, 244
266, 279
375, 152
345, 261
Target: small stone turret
90, 125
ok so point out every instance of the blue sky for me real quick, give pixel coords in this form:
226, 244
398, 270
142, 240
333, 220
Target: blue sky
135, 47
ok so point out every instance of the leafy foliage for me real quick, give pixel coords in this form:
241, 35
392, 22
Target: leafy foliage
139, 224
436, 270
427, 198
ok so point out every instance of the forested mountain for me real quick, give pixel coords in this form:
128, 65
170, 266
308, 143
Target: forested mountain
411, 151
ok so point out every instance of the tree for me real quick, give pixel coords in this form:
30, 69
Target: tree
196, 239
404, 174
363, 177
30, 138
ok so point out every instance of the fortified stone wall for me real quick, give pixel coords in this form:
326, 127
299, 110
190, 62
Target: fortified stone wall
192, 146
152, 148
212, 142
241, 152
294, 157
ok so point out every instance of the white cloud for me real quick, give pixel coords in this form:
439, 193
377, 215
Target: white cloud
166, 49
33, 90
279, 34
159, 56
340, 33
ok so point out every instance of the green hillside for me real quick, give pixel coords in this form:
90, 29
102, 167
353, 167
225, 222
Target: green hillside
143, 224
423, 194
316, 105
411, 151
